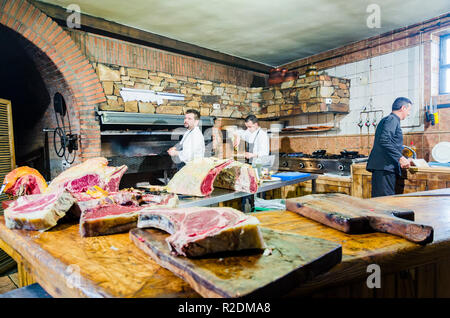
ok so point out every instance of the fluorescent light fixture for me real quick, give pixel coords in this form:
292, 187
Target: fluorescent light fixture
147, 96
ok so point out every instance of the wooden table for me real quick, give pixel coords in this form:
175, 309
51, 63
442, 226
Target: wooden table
413, 180
112, 266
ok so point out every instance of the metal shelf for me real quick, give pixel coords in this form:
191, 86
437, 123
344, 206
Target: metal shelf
142, 133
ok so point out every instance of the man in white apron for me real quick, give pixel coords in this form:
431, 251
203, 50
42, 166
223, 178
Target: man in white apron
256, 151
192, 145
257, 142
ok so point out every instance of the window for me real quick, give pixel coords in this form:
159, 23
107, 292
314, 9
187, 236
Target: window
444, 65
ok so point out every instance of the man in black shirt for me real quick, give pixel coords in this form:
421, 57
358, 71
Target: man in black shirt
386, 159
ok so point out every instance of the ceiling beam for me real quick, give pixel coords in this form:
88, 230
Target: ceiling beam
123, 32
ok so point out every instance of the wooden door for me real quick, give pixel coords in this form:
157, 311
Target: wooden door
7, 163
7, 153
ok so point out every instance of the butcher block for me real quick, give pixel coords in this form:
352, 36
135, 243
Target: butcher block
354, 215
67, 265
289, 260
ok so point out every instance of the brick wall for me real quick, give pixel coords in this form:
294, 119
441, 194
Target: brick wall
63, 66
109, 51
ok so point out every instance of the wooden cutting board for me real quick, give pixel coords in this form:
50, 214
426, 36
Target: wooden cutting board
293, 259
354, 215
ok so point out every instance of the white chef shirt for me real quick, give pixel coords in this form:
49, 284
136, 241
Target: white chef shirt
193, 145
260, 142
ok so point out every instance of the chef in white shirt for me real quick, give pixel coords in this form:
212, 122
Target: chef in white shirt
257, 142
192, 145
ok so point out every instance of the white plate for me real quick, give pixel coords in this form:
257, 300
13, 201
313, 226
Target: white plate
441, 152
272, 179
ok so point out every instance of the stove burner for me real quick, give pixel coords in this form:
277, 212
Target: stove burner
292, 155
321, 162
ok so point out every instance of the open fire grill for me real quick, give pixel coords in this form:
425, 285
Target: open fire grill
320, 162
140, 141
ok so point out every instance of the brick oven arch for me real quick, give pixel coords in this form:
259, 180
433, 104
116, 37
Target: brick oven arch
55, 45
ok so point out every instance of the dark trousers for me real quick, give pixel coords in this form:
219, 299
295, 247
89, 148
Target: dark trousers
383, 183
180, 165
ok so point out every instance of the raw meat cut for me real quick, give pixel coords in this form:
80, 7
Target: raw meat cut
237, 176
92, 172
38, 211
196, 178
198, 231
126, 197
118, 212
108, 219
23, 181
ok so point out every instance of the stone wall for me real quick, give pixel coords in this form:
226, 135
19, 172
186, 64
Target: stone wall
235, 101
305, 95
294, 97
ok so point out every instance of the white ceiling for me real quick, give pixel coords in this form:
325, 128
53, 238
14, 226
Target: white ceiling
272, 32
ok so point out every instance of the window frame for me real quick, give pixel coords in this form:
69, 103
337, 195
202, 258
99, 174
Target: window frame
443, 67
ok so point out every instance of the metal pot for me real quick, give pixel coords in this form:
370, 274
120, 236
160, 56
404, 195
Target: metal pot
311, 71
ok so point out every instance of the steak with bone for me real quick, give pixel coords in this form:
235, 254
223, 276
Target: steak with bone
92, 172
237, 176
197, 177
198, 231
38, 211
117, 212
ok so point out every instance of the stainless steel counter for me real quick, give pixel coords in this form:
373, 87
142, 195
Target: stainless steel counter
222, 195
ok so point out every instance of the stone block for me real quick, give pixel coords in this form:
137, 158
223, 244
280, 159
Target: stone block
204, 111
146, 107
273, 108
218, 90
131, 106
221, 112
174, 110
206, 89
326, 91
231, 90
141, 86
113, 105
210, 99
287, 84
108, 87
107, 74
267, 95
193, 104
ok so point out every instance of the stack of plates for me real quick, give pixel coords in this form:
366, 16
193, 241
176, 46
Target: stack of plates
441, 152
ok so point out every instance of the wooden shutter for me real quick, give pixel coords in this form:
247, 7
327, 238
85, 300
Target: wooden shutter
7, 153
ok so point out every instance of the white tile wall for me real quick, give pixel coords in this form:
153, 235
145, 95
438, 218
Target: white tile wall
382, 79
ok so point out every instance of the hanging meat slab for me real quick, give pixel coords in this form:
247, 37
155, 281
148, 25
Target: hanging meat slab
237, 176
197, 177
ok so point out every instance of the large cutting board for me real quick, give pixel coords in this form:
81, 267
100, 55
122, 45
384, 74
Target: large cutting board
354, 215
293, 259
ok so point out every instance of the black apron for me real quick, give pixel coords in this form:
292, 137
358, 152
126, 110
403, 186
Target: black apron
250, 146
180, 148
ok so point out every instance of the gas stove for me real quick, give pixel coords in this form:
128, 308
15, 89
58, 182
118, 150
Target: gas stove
320, 162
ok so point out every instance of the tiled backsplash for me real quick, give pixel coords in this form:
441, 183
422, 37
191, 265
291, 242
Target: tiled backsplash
381, 79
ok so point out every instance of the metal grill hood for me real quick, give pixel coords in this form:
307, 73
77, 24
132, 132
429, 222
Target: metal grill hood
126, 118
